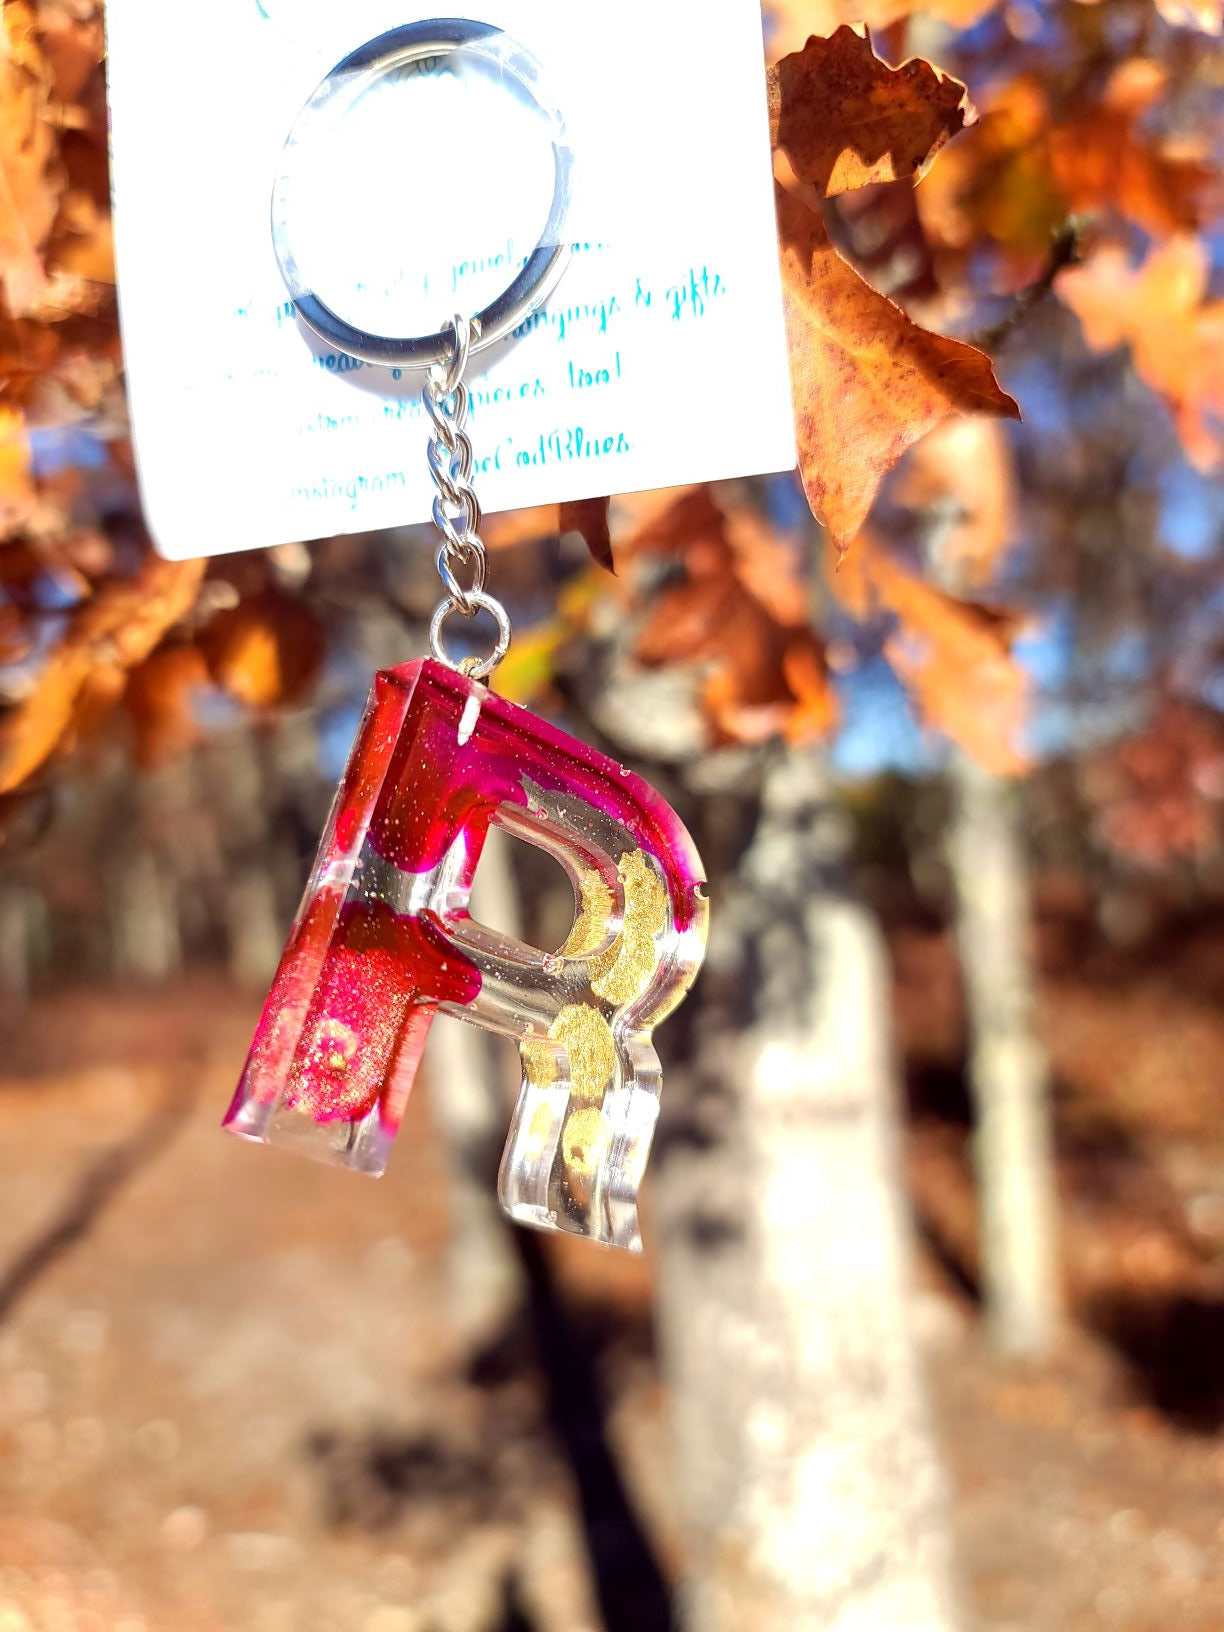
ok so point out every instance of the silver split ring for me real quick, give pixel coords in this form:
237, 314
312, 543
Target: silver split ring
479, 602
413, 42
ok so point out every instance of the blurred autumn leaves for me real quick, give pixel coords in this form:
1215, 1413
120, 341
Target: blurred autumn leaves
1090, 110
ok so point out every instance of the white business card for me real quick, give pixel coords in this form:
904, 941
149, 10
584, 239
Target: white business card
659, 359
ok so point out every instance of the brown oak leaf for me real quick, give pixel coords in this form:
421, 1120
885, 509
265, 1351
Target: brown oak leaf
867, 382
266, 650
845, 119
742, 613
589, 519
31, 176
158, 697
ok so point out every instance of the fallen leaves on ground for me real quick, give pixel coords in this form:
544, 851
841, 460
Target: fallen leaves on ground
845, 119
867, 381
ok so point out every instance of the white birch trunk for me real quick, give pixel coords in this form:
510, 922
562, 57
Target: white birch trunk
807, 1468
1013, 1146
470, 1098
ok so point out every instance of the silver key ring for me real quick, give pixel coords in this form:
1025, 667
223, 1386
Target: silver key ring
414, 42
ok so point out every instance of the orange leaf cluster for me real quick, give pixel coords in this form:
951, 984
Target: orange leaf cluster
1176, 334
266, 650
742, 613
85, 673
1161, 795
868, 383
57, 329
1029, 164
791, 22
955, 657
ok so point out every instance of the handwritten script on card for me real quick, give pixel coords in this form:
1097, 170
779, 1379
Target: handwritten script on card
251, 432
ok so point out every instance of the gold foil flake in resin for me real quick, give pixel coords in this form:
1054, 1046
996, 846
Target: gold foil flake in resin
622, 973
587, 1039
539, 1061
584, 1141
538, 1131
595, 908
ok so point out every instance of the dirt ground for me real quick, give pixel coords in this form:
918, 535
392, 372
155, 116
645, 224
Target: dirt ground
231, 1399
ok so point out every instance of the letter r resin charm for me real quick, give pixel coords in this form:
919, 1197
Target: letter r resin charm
384, 941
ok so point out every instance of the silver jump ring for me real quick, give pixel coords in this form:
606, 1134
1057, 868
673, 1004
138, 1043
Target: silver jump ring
480, 602
413, 42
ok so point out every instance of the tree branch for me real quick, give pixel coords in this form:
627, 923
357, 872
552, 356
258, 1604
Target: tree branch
1065, 250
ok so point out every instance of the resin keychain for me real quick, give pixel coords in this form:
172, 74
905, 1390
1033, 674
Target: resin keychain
383, 940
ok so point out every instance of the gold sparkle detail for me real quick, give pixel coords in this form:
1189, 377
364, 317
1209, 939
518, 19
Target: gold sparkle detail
584, 1141
591, 924
538, 1130
625, 970
539, 1062
587, 1039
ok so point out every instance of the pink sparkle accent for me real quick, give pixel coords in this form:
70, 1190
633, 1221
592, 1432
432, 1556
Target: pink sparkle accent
364, 971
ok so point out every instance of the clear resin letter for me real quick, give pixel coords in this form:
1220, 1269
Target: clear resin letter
384, 940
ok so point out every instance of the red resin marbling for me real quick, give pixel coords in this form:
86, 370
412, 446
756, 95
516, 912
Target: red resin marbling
437, 755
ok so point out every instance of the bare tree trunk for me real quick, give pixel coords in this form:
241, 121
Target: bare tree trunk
1013, 1149
18, 908
469, 1088
808, 1475
146, 945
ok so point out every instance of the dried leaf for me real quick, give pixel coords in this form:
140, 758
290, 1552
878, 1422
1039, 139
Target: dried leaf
265, 650
1205, 15
159, 695
961, 477
742, 612
1099, 161
31, 177
589, 518
867, 382
845, 119
527, 526
791, 22
955, 657
1029, 164
73, 43
1175, 334
16, 484
113, 632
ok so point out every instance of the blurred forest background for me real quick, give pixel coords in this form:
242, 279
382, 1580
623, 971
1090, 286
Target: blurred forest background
929, 1333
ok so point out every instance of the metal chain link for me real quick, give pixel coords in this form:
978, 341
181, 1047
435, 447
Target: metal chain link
456, 509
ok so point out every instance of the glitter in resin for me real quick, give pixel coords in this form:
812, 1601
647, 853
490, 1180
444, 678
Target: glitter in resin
384, 941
